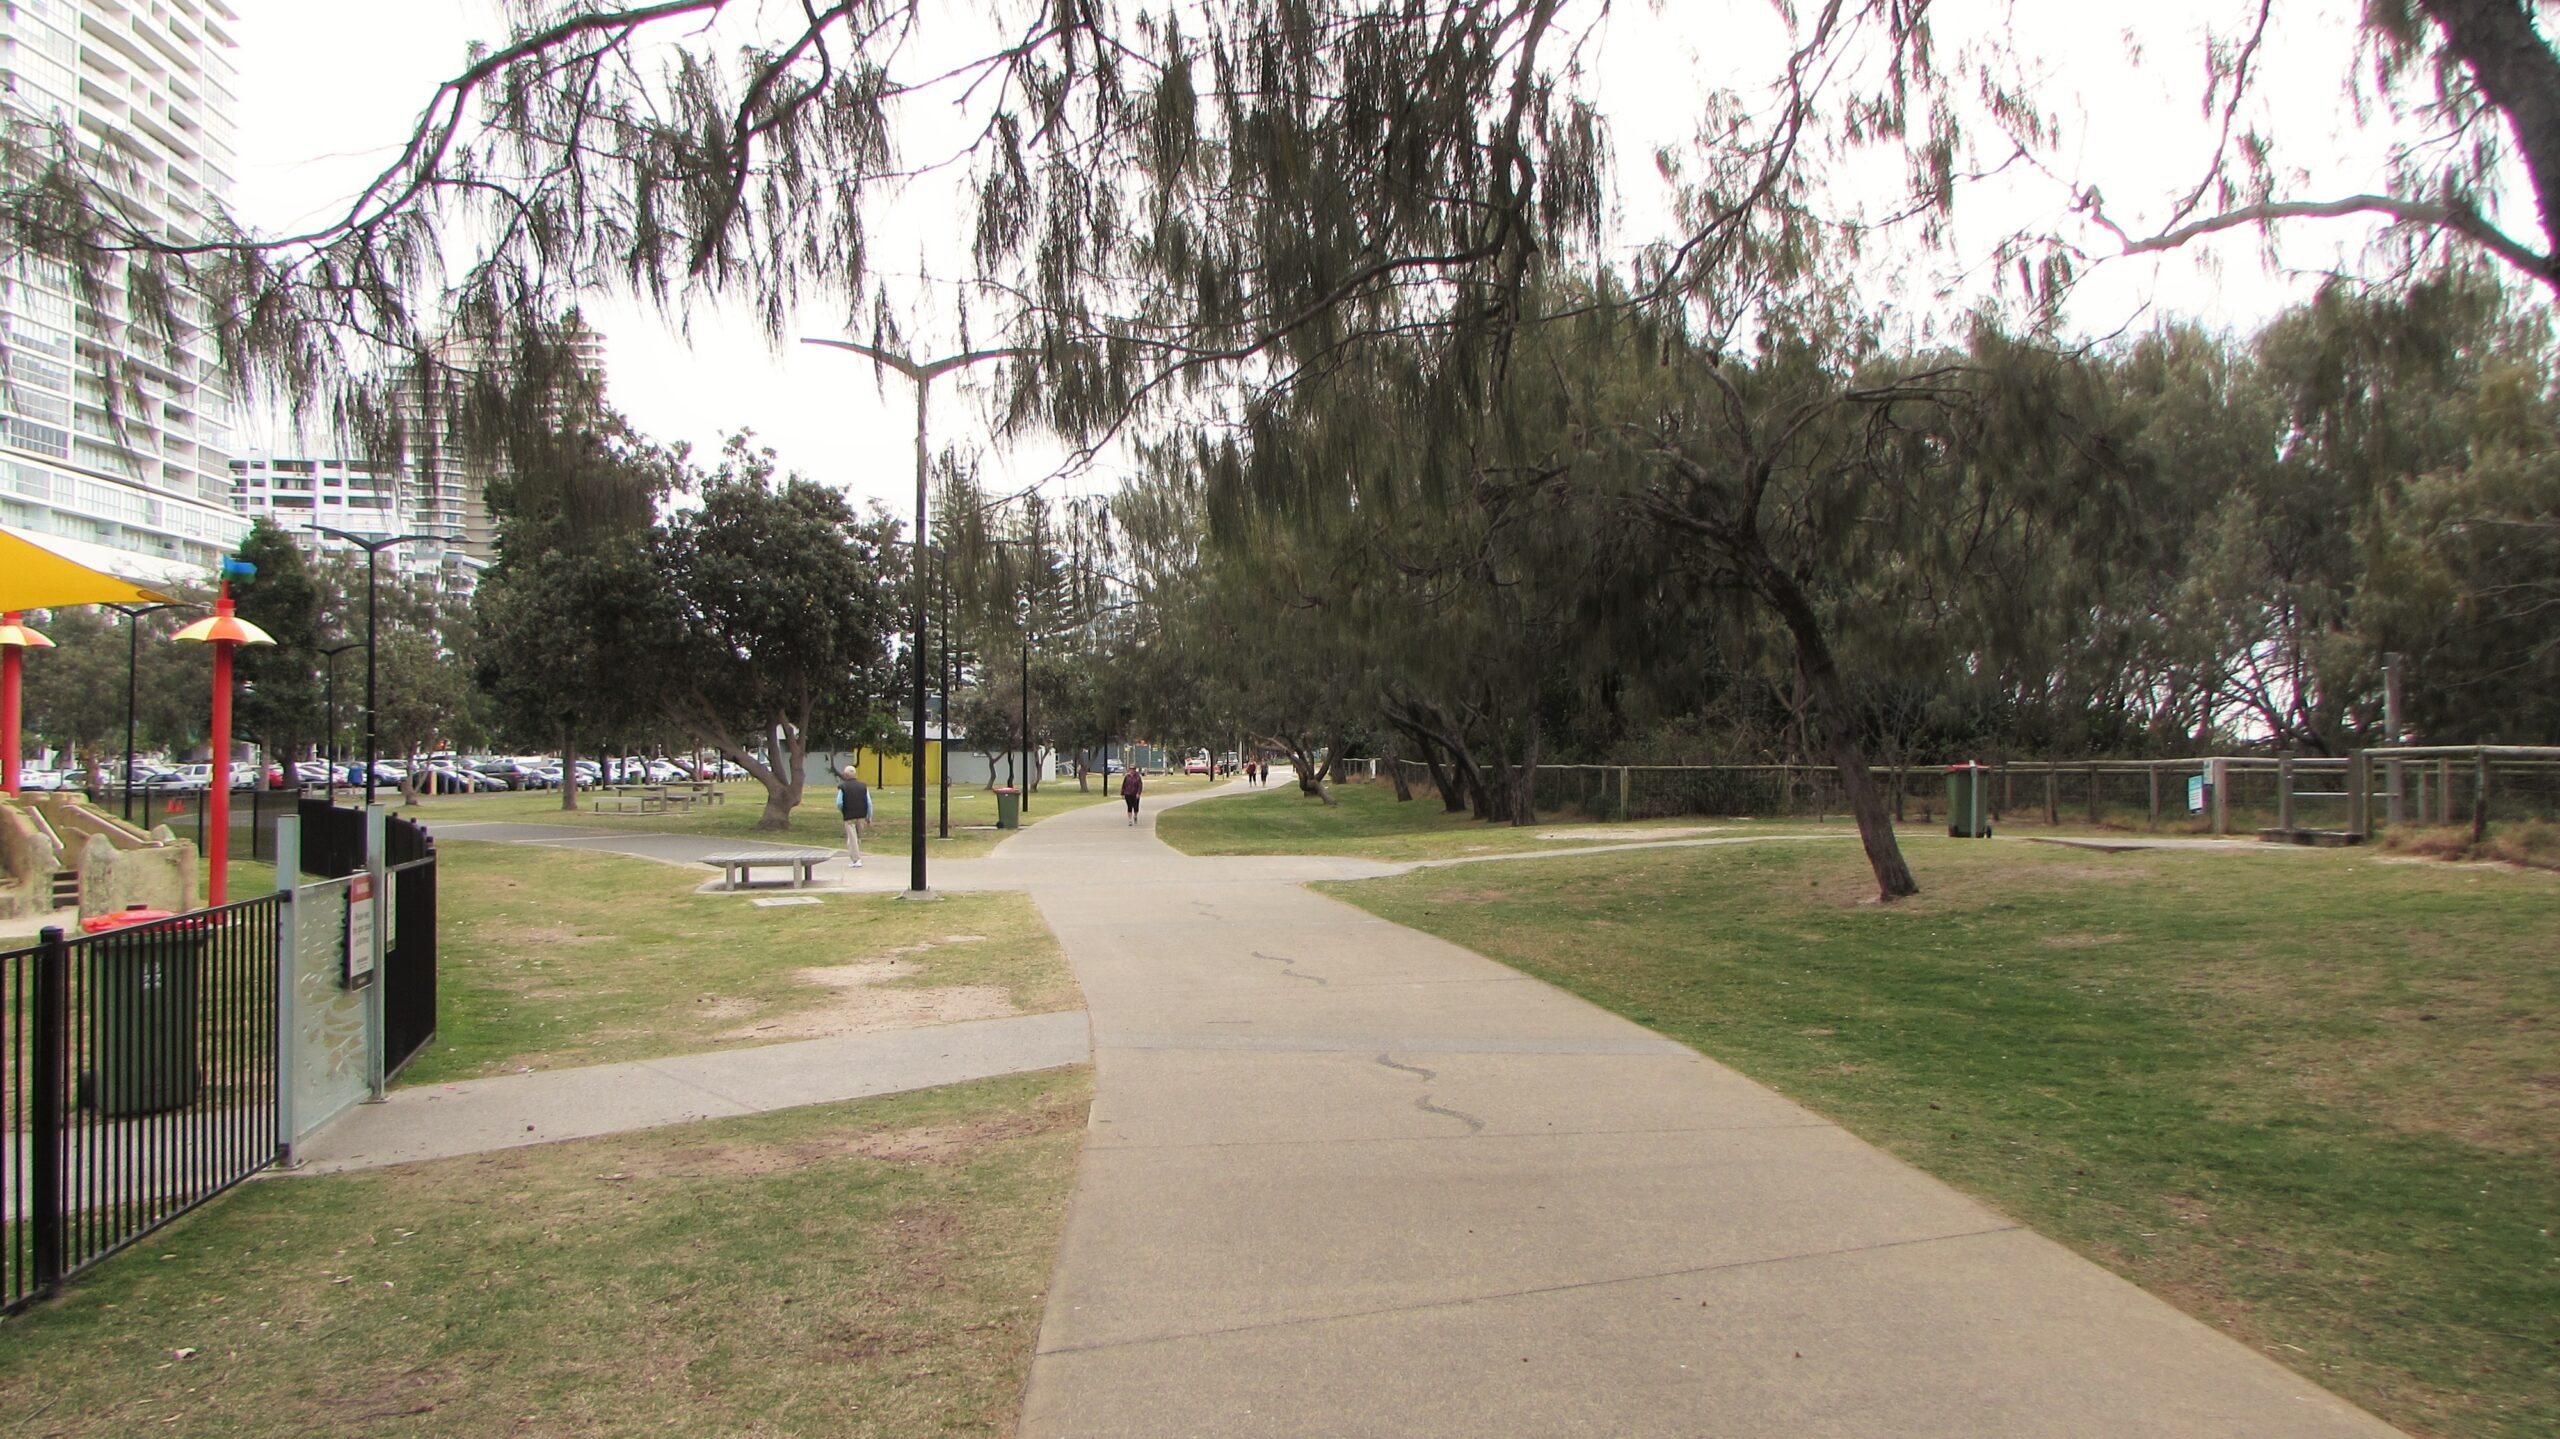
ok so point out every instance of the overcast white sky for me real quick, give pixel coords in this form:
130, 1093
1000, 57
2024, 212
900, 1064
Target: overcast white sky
330, 87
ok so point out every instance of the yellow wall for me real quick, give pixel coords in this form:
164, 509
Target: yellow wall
885, 770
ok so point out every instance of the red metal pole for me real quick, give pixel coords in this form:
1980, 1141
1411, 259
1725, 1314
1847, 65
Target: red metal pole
217, 844
12, 670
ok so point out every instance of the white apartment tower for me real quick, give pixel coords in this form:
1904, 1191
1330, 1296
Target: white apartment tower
145, 478
449, 489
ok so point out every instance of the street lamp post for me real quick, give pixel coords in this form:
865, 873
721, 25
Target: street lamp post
945, 786
372, 655
331, 654
132, 678
1028, 752
920, 374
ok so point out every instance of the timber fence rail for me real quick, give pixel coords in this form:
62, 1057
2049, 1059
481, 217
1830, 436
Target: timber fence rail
138, 1079
2209, 794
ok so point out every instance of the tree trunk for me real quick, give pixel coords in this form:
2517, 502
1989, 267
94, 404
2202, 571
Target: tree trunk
1395, 771
786, 753
1302, 759
1415, 723
1524, 777
1827, 700
569, 774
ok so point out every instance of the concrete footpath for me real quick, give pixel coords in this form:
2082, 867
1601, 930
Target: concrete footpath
438, 1121
1344, 1178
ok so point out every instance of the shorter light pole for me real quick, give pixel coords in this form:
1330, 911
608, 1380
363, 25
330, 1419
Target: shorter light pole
132, 678
330, 654
372, 655
1029, 752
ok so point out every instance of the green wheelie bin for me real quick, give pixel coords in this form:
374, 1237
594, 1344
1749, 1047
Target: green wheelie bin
1008, 807
145, 984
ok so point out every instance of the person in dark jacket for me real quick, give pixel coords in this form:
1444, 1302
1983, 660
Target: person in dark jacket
853, 802
1130, 788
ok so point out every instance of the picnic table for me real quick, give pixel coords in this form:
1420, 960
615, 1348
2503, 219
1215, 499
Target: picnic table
643, 799
738, 867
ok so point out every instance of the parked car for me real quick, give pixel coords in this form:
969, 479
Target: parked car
1195, 766
312, 771
503, 772
40, 779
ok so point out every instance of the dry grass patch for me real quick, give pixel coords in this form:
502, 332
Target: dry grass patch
554, 957
865, 1269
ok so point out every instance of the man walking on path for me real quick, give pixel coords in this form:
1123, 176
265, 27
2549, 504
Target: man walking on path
853, 801
1130, 788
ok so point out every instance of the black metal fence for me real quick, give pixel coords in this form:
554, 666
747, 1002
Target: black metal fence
140, 1080
333, 847
409, 961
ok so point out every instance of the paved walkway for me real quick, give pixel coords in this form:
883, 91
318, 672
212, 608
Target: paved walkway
438, 1121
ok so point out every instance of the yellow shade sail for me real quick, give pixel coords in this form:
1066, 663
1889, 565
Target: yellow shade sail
35, 578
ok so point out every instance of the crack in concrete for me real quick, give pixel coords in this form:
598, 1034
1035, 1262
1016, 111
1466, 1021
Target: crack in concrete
1462, 1301
1289, 967
1428, 1075
1474, 1125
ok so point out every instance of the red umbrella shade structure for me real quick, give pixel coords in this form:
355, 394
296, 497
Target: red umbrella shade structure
226, 632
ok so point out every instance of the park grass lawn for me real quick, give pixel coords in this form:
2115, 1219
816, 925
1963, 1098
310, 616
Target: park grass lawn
2312, 1098
814, 822
555, 957
873, 1268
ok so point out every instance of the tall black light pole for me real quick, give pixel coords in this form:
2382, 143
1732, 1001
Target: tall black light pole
921, 374
132, 673
331, 764
372, 654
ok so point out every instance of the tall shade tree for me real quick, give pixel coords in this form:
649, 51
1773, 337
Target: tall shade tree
786, 603
576, 603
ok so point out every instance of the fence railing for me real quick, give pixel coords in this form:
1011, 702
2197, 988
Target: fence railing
138, 1072
2221, 794
333, 846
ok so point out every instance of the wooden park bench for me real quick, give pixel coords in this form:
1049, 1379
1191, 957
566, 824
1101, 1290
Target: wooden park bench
738, 869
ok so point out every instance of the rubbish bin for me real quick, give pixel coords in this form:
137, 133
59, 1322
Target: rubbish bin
144, 984
1008, 807
1969, 801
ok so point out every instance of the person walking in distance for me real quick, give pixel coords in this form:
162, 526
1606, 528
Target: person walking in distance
1130, 788
853, 801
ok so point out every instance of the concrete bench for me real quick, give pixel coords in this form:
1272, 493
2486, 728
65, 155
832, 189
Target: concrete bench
738, 869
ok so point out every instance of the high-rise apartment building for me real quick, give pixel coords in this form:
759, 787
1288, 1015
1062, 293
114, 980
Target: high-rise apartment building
306, 498
145, 477
449, 488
